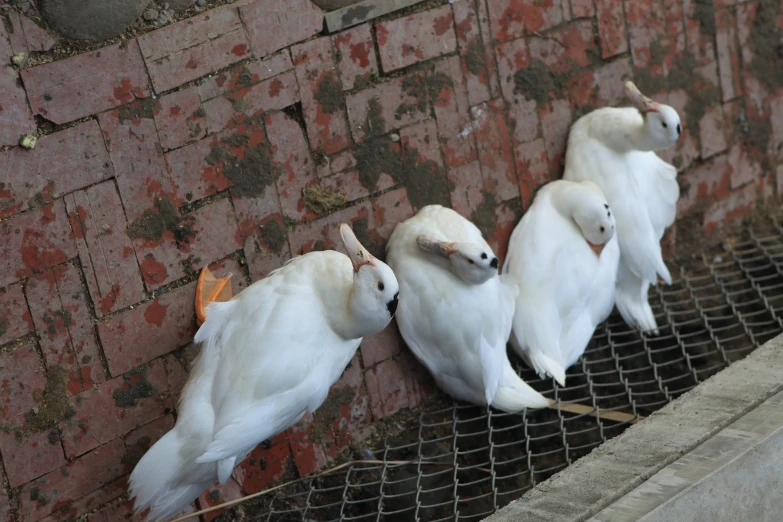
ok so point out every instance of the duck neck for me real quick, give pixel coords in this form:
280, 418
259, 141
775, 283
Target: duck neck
625, 130
359, 319
565, 203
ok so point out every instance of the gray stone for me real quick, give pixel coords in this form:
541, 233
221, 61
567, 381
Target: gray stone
331, 5
92, 19
201, 3
180, 5
150, 15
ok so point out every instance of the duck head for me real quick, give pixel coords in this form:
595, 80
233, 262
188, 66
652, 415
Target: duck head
375, 291
594, 217
473, 263
661, 122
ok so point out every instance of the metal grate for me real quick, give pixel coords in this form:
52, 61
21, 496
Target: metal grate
469, 462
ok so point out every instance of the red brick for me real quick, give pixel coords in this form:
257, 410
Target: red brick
114, 512
611, 27
145, 436
342, 161
687, 148
743, 169
582, 8
38, 40
116, 407
15, 319
386, 386
266, 464
711, 132
388, 209
699, 39
275, 24
779, 180
72, 481
35, 241
5, 504
395, 104
387, 343
532, 169
15, 119
189, 49
355, 56
84, 84
137, 157
738, 203
510, 18
415, 38
495, 154
16, 39
211, 233
507, 216
421, 141
105, 250
60, 163
351, 420
349, 186
26, 455
566, 48
149, 330
177, 373
180, 119
746, 17
309, 455
704, 184
466, 183
267, 247
728, 54
58, 304
776, 117
322, 100
513, 57
452, 113
245, 75
217, 494
291, 158
90, 502
472, 51
323, 233
599, 87
489, 56
555, 122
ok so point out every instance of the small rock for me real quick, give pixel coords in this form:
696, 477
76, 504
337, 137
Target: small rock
717, 259
25, 7
395, 137
181, 5
18, 59
150, 15
166, 6
161, 21
91, 19
28, 141
35, 411
201, 3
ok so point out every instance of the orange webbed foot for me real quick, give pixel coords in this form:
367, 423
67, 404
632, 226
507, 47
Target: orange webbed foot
211, 289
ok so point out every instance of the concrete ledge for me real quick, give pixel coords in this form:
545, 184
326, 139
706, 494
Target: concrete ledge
625, 462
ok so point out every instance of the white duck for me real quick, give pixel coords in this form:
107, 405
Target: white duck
615, 148
456, 312
563, 254
268, 355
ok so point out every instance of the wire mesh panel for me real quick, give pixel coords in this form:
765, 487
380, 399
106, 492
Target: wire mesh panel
460, 462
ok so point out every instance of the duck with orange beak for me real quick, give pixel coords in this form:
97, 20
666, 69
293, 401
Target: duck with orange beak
564, 257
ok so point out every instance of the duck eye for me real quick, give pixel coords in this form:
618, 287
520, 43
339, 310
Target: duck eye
606, 206
602, 230
380, 286
664, 124
470, 261
678, 128
483, 255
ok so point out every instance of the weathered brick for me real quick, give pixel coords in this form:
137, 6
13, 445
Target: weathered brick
489, 56
582, 8
342, 161
466, 184
177, 372
15, 118
245, 75
291, 158
389, 105
736, 204
346, 409
15, 318
687, 148
700, 30
149, 330
26, 454
16, 42
58, 304
137, 156
275, 24
355, 56
116, 407
211, 232
35, 241
116, 511
728, 54
266, 247
494, 151
180, 118
510, 18
705, 183
420, 142
60, 163
776, 117
84, 84
5, 503
324, 233
269, 462
309, 455
711, 132
600, 87
452, 113
144, 437
348, 185
322, 97
506, 217
105, 250
38, 40
388, 209
472, 51
532, 169
512, 58
189, 49
611, 27
415, 38
387, 343
90, 502
555, 122
72, 481
217, 494
386, 384
742, 167
566, 48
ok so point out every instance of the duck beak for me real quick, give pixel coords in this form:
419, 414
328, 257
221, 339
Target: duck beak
433, 246
356, 252
597, 248
639, 100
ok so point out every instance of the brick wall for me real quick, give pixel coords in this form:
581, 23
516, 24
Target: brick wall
159, 166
